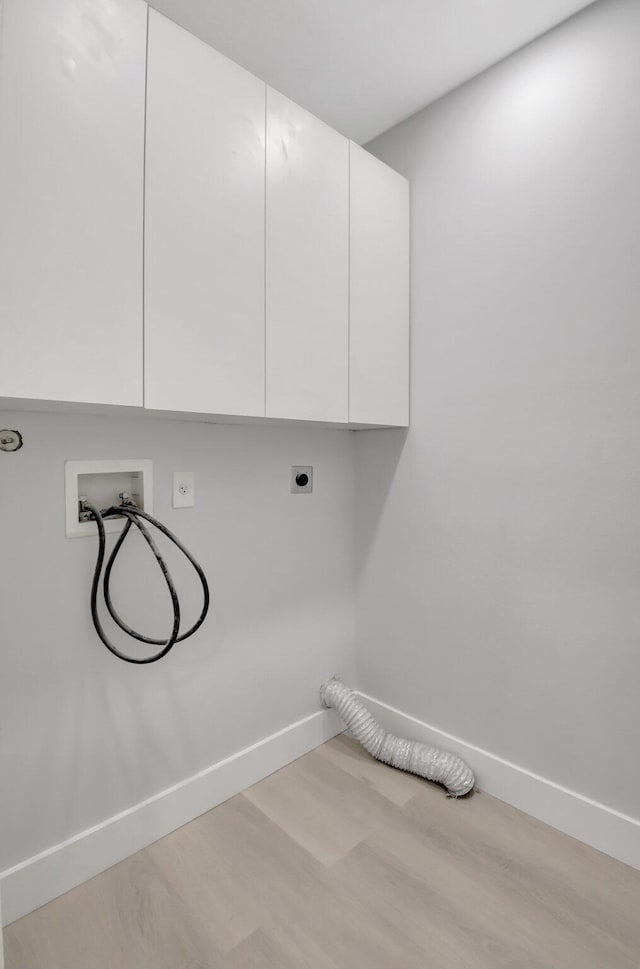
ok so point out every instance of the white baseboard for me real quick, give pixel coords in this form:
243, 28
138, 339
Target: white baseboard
37, 880
593, 823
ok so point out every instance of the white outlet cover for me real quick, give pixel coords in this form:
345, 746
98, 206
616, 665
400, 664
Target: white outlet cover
297, 489
184, 495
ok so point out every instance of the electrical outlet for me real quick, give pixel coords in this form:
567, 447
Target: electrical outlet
301, 479
184, 495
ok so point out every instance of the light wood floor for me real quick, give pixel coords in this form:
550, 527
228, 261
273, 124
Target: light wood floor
338, 862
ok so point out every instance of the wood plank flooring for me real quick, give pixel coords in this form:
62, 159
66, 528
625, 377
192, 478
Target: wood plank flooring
338, 862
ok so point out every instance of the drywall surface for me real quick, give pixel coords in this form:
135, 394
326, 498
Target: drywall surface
499, 540
83, 735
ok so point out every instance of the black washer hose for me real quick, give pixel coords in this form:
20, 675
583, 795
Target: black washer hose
133, 515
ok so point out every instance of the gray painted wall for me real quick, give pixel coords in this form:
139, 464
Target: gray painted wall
83, 735
499, 540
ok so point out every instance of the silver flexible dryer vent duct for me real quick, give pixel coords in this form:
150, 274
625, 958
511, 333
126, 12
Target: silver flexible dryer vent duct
409, 755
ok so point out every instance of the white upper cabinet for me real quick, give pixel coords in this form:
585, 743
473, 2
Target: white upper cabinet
379, 293
72, 89
204, 228
307, 246
176, 235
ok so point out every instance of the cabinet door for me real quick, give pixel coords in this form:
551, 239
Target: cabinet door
72, 78
379, 293
204, 228
307, 265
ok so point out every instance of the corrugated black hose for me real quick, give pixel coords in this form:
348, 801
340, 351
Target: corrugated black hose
134, 515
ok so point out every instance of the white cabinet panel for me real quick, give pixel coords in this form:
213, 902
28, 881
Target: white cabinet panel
204, 228
72, 81
307, 265
379, 293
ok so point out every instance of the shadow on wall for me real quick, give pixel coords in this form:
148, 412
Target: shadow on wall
377, 457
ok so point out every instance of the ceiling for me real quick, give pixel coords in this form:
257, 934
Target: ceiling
364, 65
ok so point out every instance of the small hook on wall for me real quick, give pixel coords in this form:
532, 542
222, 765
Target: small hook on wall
10, 440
